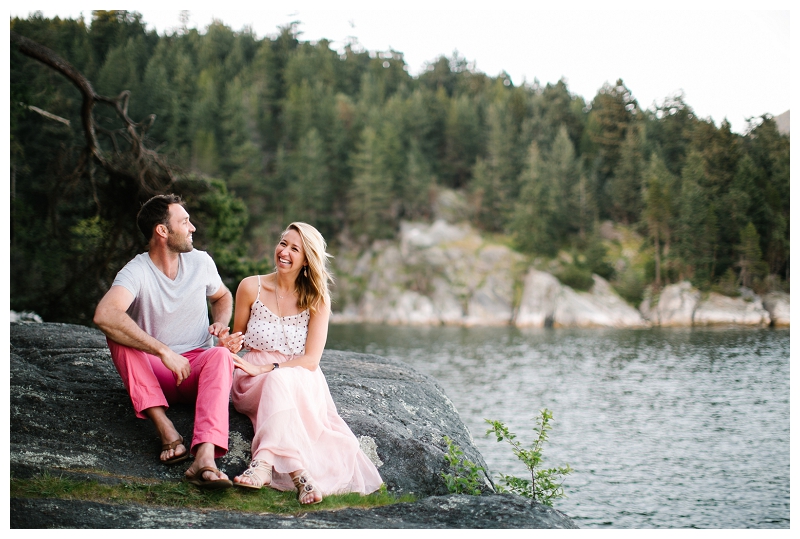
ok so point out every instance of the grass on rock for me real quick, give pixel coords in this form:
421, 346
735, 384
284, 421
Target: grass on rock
183, 495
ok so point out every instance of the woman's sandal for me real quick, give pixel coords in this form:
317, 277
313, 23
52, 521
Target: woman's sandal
305, 487
254, 472
175, 458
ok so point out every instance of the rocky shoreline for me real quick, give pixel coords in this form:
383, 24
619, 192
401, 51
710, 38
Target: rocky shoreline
70, 415
446, 274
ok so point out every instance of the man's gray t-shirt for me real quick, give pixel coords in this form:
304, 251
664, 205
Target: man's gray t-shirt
173, 311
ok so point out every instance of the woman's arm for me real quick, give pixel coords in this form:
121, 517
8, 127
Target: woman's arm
246, 295
315, 341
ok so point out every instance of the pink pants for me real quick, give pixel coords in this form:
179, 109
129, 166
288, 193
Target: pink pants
150, 383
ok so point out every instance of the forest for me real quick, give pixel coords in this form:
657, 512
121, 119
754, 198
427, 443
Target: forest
256, 133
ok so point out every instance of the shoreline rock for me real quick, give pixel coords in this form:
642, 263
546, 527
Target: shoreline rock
777, 305
548, 303
682, 305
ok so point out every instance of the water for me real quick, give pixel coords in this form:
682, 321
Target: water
665, 428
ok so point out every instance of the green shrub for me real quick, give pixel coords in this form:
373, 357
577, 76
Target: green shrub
596, 259
467, 477
545, 484
576, 277
630, 286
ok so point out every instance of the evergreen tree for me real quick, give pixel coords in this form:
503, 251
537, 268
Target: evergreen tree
696, 225
370, 197
624, 188
536, 211
308, 196
612, 110
418, 186
495, 183
562, 172
462, 141
657, 212
750, 264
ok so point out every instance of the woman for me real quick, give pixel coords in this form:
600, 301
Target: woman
300, 441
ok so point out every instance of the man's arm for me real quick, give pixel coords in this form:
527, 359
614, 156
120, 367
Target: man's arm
221, 310
112, 318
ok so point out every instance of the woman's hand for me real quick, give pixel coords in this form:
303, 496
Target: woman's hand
232, 341
249, 368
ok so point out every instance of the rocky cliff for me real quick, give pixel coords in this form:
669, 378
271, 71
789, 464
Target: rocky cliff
443, 273
70, 414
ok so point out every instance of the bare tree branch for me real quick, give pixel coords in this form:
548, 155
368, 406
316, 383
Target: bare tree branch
138, 163
46, 114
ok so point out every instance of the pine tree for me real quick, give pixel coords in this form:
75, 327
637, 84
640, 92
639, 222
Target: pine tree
370, 197
624, 187
536, 213
696, 224
750, 264
657, 212
418, 185
308, 196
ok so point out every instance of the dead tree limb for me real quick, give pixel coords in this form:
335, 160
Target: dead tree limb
138, 163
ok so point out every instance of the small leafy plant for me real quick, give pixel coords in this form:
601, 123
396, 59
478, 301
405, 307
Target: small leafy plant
467, 477
545, 484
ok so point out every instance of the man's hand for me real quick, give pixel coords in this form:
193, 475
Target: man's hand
216, 328
178, 364
232, 341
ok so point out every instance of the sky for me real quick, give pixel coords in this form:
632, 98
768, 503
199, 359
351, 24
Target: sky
731, 63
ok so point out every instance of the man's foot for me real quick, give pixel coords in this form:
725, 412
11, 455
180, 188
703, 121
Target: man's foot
208, 478
172, 448
203, 472
174, 451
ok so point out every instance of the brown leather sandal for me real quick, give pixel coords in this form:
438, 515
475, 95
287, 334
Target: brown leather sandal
198, 480
175, 458
304, 484
259, 472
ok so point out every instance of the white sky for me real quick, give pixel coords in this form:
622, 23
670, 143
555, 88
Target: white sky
732, 63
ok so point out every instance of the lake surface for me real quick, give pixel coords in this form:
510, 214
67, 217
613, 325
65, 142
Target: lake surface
665, 428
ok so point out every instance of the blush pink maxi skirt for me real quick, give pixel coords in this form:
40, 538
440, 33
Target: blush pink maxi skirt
297, 427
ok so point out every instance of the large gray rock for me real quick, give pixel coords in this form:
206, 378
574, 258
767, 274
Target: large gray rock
70, 411
717, 309
548, 303
777, 304
70, 415
675, 305
682, 305
540, 295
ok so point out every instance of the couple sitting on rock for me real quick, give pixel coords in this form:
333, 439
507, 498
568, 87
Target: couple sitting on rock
155, 317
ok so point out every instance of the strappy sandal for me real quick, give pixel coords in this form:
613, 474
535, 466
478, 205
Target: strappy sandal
175, 458
254, 472
304, 484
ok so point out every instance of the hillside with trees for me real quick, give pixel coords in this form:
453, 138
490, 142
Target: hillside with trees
257, 133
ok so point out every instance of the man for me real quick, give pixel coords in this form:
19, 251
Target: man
155, 317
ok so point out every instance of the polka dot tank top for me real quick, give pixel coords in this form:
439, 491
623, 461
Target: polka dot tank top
264, 331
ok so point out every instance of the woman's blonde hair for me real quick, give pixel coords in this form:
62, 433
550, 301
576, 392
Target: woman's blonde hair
312, 286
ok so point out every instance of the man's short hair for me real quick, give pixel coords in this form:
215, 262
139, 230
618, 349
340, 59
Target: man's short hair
155, 212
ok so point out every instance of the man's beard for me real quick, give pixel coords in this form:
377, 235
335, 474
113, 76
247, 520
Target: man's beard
178, 244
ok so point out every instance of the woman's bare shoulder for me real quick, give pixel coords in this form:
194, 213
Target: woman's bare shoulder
249, 285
